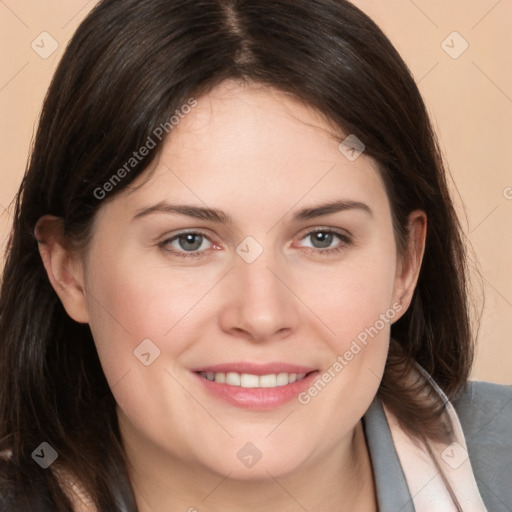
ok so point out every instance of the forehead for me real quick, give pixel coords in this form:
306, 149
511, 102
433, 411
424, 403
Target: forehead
252, 144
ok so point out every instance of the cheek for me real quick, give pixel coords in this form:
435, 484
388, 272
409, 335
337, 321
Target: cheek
351, 297
358, 310
355, 302
130, 303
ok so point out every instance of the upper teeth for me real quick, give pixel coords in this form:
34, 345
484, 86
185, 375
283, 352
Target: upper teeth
247, 380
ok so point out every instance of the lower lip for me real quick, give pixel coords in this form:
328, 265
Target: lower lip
257, 398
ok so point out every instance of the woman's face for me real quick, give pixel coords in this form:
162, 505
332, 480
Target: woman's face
226, 265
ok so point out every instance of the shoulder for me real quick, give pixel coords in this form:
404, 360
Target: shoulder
37, 496
16, 498
485, 414
6, 486
485, 407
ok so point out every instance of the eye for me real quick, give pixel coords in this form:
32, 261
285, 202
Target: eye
322, 239
195, 244
187, 244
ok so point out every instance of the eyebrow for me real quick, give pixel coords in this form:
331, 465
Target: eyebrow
331, 207
215, 215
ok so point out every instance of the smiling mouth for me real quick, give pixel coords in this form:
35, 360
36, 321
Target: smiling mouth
248, 380
253, 386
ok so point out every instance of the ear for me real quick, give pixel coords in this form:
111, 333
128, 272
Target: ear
409, 264
63, 266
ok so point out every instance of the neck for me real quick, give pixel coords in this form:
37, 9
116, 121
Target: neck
339, 480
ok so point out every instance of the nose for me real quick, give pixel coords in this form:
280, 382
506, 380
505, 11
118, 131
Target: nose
260, 305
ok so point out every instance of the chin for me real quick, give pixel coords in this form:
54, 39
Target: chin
246, 462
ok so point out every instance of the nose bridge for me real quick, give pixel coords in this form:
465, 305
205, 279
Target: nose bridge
254, 261
260, 305
258, 279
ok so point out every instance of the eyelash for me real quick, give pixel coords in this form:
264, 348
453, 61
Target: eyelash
346, 241
344, 238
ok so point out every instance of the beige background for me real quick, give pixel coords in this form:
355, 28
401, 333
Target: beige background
469, 97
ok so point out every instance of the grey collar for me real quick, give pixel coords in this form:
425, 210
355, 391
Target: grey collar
392, 491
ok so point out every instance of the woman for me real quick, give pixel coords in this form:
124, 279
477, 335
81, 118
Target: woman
236, 280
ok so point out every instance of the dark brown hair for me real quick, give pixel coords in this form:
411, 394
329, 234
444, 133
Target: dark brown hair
128, 67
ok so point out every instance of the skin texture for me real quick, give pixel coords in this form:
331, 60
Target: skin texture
259, 156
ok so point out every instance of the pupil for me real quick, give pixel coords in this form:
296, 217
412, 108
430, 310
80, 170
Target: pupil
324, 239
193, 240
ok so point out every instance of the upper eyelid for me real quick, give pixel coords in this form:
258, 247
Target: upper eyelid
308, 231
336, 231
343, 234
302, 233
172, 238
191, 231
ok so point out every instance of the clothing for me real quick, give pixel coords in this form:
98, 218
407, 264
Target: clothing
484, 411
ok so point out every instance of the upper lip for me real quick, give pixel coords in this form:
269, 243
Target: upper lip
255, 368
